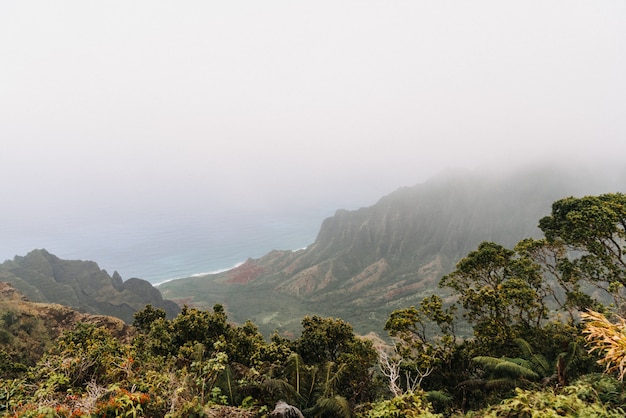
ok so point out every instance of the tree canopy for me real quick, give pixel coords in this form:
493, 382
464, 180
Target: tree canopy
526, 350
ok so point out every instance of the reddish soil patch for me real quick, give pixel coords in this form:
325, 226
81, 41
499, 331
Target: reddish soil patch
245, 273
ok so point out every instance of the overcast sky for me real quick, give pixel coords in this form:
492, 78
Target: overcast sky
112, 107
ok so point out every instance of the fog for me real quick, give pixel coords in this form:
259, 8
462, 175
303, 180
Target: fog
116, 111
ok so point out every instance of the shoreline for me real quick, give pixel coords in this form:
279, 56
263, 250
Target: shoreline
163, 281
160, 282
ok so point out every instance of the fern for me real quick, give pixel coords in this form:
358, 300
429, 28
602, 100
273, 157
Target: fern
538, 362
516, 371
336, 406
505, 367
487, 362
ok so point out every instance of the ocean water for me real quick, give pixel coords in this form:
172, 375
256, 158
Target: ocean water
159, 248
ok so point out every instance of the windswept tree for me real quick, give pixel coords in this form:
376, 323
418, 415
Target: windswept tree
501, 294
593, 230
563, 289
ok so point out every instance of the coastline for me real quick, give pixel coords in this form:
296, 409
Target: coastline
198, 274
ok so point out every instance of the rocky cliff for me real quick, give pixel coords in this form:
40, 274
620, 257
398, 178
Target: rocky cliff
82, 285
367, 262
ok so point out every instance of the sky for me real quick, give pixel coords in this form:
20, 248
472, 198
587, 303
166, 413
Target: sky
118, 109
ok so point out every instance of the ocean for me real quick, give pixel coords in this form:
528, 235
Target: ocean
160, 248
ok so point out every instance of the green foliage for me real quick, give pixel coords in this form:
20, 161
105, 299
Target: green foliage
207, 371
244, 343
548, 403
121, 403
409, 405
323, 339
145, 317
85, 354
198, 326
8, 367
422, 349
12, 393
159, 340
515, 369
598, 387
594, 227
501, 293
331, 406
330, 343
278, 351
198, 362
24, 338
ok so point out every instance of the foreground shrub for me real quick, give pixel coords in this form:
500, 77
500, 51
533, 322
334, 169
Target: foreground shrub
121, 403
43, 411
408, 405
572, 401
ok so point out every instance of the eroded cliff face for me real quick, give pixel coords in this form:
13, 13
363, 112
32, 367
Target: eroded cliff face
364, 263
402, 244
82, 285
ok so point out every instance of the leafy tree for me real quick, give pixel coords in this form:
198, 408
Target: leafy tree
340, 362
199, 326
563, 285
145, 317
244, 342
276, 352
501, 293
593, 228
417, 342
323, 339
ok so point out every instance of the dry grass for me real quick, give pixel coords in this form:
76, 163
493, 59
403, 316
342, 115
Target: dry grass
607, 338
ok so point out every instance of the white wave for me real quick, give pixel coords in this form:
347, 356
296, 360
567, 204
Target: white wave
208, 273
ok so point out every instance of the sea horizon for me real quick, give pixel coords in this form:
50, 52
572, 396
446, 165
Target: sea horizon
162, 249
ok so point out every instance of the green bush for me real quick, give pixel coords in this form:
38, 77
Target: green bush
121, 403
548, 403
409, 405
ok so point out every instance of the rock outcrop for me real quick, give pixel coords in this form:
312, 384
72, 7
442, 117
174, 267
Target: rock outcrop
81, 285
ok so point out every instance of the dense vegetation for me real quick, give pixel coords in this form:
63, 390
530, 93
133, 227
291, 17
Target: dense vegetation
366, 263
525, 333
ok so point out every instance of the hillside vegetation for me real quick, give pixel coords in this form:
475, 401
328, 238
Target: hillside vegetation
367, 262
539, 345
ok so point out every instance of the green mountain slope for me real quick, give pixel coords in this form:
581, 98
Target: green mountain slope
82, 285
28, 329
367, 262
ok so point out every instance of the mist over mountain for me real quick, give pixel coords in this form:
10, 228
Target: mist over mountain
365, 263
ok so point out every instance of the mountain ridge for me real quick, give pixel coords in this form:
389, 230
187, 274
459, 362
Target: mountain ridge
82, 285
366, 262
